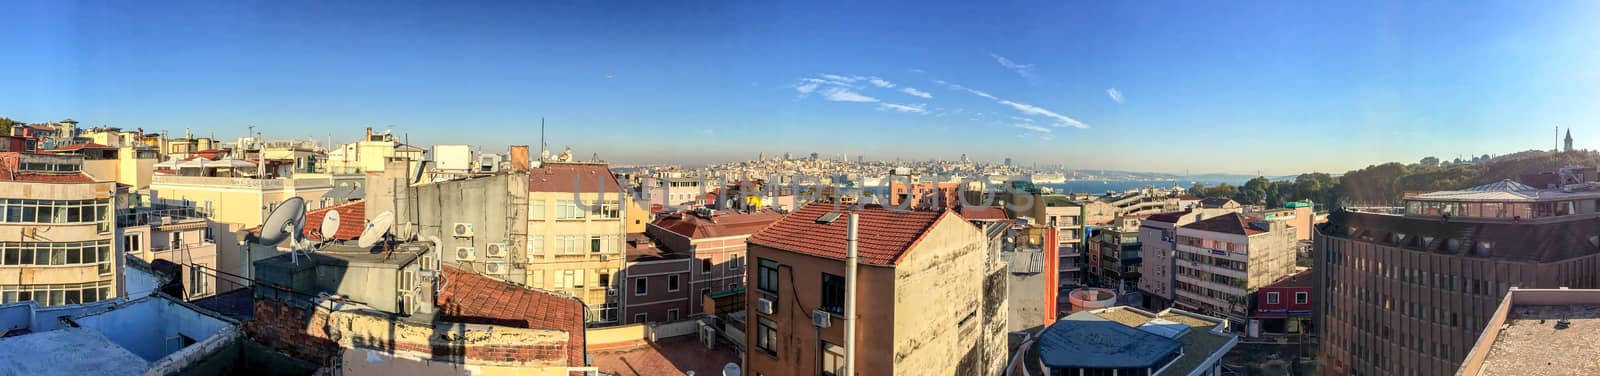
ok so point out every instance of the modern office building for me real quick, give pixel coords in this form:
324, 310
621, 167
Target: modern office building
56, 232
1407, 292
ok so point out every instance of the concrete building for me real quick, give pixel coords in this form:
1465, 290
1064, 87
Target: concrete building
1032, 286
177, 234
716, 242
1067, 218
154, 335
1298, 214
921, 305
653, 288
1105, 210
1130, 341
1409, 291
58, 232
1159, 247
576, 231
1114, 257
371, 154
128, 165
1222, 260
1537, 332
235, 203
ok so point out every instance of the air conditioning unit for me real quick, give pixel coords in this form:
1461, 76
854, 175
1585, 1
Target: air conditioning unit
611, 291
764, 306
462, 230
497, 249
604, 258
466, 253
495, 268
821, 318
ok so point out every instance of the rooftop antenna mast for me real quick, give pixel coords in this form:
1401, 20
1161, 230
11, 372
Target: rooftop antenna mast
543, 148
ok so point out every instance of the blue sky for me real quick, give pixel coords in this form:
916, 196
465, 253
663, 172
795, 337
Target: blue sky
1271, 86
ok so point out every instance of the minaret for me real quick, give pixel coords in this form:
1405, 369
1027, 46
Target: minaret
1568, 140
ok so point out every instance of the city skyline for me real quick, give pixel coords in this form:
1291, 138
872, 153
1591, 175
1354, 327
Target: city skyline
1090, 86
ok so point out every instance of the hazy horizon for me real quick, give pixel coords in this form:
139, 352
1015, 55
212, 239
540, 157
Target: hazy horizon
1153, 87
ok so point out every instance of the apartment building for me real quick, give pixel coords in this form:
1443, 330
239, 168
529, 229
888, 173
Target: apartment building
920, 302
1222, 260
654, 285
1159, 248
232, 204
1408, 291
576, 234
1067, 218
716, 242
1283, 307
371, 154
1114, 257
178, 234
57, 232
128, 165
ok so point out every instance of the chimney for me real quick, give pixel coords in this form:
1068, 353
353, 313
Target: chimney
369, 135
519, 158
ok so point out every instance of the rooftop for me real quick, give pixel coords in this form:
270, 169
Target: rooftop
1230, 223
1539, 332
883, 235
1168, 217
1142, 336
477, 299
559, 177
1301, 279
983, 213
67, 351
1505, 190
722, 224
666, 357
1543, 242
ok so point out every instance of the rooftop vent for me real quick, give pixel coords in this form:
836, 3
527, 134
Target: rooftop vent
828, 218
1563, 324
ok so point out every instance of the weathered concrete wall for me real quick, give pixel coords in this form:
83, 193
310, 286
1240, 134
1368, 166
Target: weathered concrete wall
600, 337
150, 328
941, 299
800, 281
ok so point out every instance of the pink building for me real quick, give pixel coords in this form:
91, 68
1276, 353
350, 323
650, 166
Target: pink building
715, 243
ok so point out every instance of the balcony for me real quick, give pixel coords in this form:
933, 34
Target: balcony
158, 215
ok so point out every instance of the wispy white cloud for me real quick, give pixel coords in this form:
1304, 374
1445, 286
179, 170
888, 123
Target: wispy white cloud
1024, 70
1040, 111
1022, 119
879, 82
840, 94
1115, 95
806, 88
916, 93
1028, 109
1031, 127
708, 131
915, 70
911, 108
835, 77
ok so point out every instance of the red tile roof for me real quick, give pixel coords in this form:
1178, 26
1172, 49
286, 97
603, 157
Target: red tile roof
352, 220
1231, 223
731, 224
884, 235
1168, 217
983, 213
558, 177
476, 299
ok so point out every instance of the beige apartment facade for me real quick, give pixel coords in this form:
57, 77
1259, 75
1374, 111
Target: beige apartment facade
1222, 260
56, 234
178, 235
233, 204
576, 242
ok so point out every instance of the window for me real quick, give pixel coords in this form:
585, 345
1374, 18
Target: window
640, 317
833, 293
1272, 297
569, 244
608, 209
177, 240
705, 266
672, 283
535, 245
605, 279
198, 285
536, 209
735, 262
131, 243
568, 209
767, 336
56, 211
608, 312
594, 244
640, 286
832, 359
538, 279
57, 294
672, 315
733, 286
767, 277
1302, 297
569, 278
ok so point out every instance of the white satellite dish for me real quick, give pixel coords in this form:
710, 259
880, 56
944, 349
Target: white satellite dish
376, 230
730, 370
330, 224
285, 222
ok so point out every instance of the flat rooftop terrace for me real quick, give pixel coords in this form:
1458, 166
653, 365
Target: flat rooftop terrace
1546, 340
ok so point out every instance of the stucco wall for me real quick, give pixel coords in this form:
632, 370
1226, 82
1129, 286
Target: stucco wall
942, 278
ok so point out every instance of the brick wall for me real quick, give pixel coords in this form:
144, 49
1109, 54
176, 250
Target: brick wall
298, 332
307, 334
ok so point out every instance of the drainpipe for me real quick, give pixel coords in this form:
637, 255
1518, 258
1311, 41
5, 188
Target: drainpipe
850, 261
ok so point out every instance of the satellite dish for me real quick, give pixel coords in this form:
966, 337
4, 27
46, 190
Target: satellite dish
330, 224
376, 229
285, 222
730, 370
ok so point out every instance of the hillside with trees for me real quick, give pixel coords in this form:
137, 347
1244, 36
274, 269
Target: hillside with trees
1385, 184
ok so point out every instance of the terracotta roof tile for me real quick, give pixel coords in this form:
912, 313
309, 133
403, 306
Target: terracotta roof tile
1168, 217
352, 220
732, 224
983, 213
83, 146
883, 235
39, 177
477, 299
558, 177
1231, 223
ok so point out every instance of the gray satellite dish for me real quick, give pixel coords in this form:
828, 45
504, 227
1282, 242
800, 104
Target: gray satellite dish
285, 222
330, 224
376, 229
